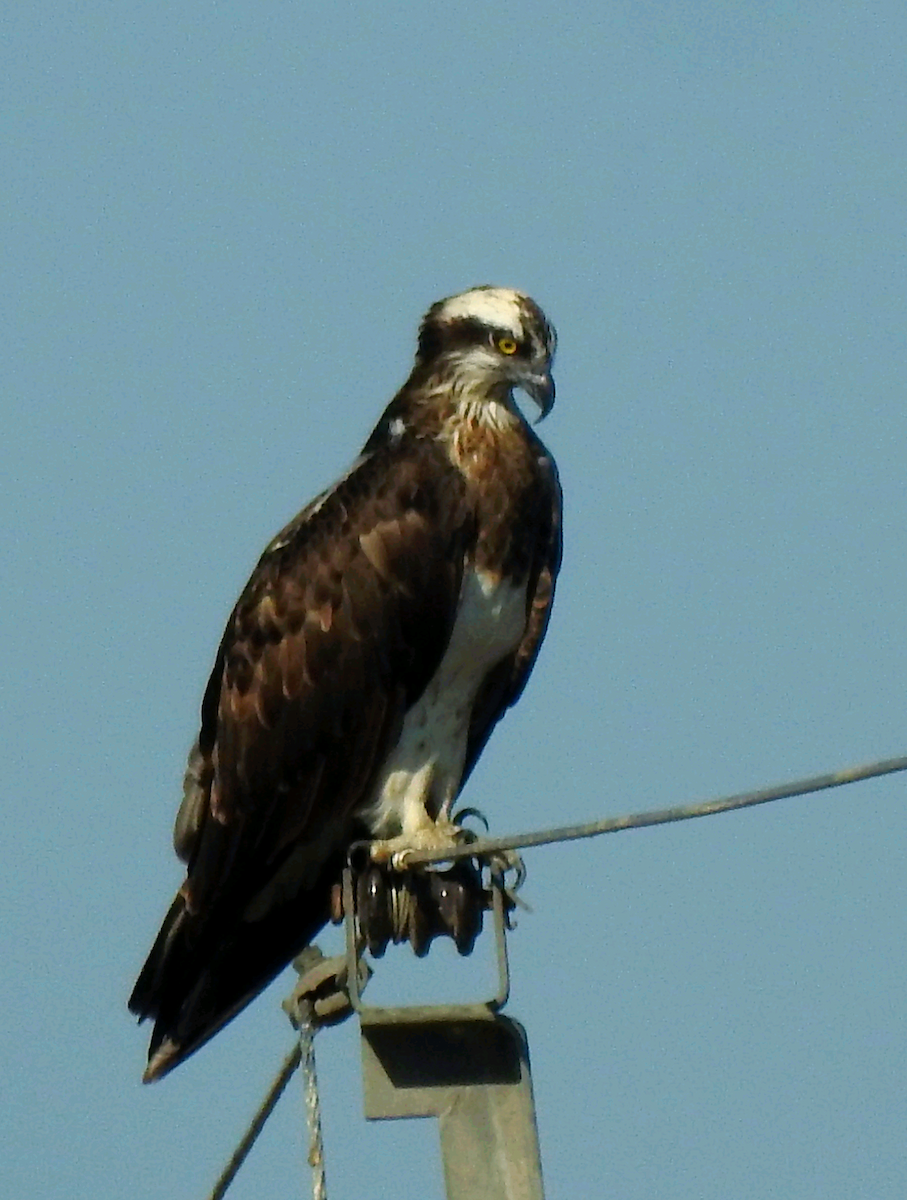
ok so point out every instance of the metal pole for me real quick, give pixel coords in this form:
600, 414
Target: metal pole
473, 1075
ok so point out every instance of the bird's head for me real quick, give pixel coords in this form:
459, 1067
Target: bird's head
491, 340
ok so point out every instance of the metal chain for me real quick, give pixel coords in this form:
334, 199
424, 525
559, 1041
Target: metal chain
312, 1102
303, 1053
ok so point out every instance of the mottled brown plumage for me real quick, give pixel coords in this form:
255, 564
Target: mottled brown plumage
341, 640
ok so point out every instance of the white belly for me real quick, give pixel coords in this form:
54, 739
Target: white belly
422, 775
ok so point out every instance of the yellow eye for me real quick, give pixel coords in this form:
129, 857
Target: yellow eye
507, 345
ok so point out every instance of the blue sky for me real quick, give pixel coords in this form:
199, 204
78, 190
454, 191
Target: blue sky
222, 225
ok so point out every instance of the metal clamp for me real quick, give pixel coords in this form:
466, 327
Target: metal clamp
422, 1012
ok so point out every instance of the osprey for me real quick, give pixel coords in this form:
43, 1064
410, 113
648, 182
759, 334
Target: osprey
382, 635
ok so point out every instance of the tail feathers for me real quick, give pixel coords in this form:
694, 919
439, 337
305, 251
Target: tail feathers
202, 972
167, 960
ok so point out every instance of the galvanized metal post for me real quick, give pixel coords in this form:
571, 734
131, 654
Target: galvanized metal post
473, 1075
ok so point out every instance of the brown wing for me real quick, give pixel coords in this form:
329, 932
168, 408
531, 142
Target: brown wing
506, 681
337, 633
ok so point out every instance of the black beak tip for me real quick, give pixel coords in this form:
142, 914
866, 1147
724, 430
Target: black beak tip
541, 389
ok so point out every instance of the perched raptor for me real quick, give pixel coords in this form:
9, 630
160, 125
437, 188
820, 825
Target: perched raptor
382, 635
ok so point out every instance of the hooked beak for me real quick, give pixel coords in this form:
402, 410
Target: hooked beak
541, 388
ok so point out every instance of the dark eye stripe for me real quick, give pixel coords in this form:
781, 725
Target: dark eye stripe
464, 332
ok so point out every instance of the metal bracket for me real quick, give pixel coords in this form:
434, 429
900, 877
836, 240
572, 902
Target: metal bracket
371, 1013
463, 1063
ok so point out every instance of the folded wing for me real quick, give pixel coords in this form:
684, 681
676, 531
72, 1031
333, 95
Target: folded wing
336, 635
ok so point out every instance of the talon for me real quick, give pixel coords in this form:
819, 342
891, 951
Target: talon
464, 813
510, 860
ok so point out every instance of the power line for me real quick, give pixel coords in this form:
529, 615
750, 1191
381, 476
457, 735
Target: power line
241, 1153
303, 1051
483, 847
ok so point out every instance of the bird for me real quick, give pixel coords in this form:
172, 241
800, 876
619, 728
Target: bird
381, 637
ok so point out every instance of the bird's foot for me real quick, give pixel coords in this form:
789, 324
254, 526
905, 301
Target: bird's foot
442, 834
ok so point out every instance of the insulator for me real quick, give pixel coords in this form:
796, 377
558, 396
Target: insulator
460, 900
418, 906
375, 909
